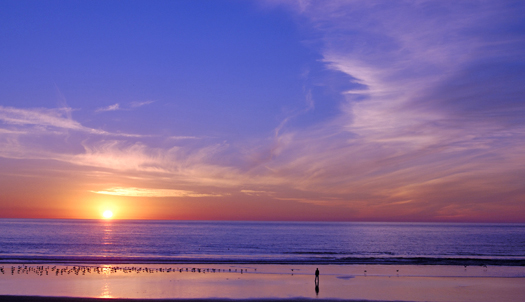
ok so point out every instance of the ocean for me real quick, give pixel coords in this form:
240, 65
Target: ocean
139, 241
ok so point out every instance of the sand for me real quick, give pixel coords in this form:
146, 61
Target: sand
256, 282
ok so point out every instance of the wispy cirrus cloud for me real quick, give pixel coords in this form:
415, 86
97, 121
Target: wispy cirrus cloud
140, 104
438, 102
143, 192
47, 120
182, 137
58, 118
118, 106
422, 62
256, 193
113, 107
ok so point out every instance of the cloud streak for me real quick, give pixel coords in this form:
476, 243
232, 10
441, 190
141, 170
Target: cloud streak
44, 120
117, 106
57, 118
140, 104
113, 107
142, 192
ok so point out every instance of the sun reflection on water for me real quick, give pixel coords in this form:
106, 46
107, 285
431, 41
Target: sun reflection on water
105, 293
108, 230
107, 238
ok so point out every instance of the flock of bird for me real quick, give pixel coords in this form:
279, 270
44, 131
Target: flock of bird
77, 270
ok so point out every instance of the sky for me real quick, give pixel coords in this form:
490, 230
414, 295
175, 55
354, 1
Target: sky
410, 111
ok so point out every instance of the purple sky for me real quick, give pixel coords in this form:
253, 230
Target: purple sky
263, 110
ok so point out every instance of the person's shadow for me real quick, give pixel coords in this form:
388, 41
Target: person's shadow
317, 282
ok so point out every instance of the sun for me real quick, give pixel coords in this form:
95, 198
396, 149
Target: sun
107, 214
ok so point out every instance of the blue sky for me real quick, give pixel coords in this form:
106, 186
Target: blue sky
263, 110
216, 62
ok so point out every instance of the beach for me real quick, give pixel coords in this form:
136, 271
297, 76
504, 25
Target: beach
20, 282
260, 261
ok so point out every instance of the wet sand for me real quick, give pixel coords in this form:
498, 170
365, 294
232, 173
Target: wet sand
69, 299
262, 282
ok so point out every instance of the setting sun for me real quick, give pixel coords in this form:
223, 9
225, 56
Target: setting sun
107, 214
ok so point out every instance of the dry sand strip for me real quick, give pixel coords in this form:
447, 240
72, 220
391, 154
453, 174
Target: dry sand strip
74, 299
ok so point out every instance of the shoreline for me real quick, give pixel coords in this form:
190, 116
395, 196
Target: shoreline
74, 299
450, 261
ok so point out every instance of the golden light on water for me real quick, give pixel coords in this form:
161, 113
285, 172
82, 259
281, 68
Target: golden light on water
107, 214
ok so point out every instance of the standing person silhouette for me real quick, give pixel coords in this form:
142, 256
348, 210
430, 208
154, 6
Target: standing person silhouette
317, 281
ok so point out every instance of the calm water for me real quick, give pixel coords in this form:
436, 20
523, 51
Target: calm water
93, 241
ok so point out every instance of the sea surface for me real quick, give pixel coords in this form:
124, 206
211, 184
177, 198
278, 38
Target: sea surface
139, 241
